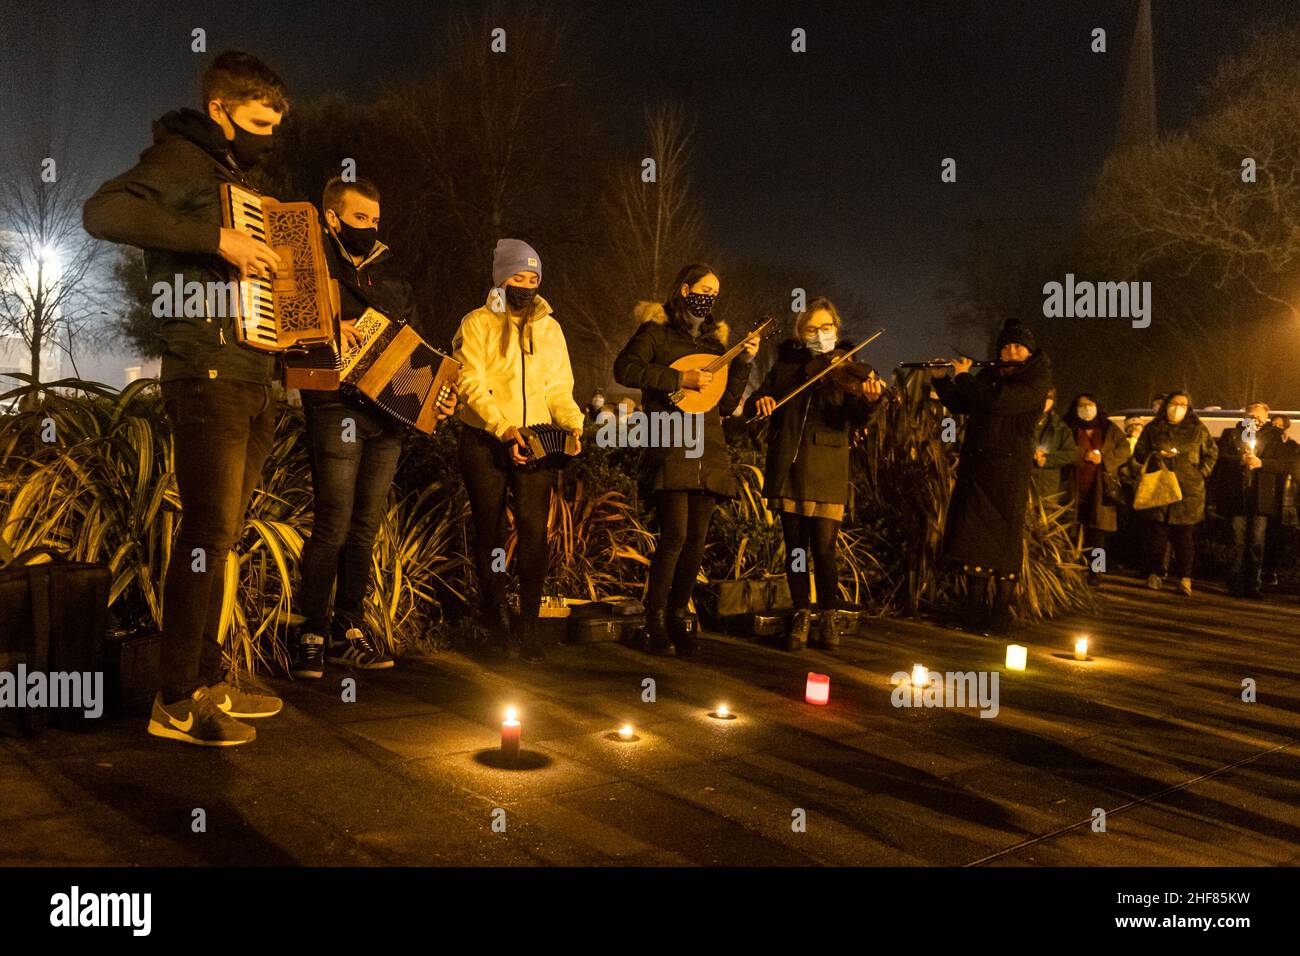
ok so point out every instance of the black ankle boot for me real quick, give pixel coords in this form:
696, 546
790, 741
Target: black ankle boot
800, 624
653, 635
1000, 620
828, 630
681, 630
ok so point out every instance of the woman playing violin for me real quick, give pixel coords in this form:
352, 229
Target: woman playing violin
806, 478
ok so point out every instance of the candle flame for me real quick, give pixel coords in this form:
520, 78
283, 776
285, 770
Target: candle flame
920, 675
722, 710
512, 714
625, 730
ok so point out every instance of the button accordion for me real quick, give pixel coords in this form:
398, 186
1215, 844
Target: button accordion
297, 307
549, 446
396, 371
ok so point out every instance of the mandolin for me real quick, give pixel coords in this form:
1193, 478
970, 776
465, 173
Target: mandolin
696, 401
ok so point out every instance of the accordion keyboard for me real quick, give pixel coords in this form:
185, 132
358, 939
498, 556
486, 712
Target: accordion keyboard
256, 293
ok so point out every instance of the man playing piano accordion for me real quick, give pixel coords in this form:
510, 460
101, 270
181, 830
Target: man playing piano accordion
353, 450
216, 393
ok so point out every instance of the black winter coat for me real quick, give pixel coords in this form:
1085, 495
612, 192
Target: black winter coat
169, 205
644, 363
1237, 490
1197, 453
808, 437
986, 517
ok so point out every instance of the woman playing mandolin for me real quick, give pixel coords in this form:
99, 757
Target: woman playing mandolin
683, 487
806, 478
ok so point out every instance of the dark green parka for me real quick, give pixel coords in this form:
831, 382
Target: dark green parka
1052, 435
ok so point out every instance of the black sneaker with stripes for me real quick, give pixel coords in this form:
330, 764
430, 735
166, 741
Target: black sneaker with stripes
356, 649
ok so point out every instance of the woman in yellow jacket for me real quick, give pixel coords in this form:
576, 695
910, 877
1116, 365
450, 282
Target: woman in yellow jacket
515, 372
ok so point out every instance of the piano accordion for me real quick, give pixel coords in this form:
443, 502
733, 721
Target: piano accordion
549, 446
396, 371
297, 308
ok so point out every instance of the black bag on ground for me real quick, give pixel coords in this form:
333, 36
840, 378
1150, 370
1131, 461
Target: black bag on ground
52, 620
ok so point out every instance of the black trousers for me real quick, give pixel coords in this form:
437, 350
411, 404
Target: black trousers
222, 431
808, 538
1160, 534
684, 518
492, 480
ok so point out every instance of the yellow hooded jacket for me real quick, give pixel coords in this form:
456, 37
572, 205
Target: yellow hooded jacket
514, 373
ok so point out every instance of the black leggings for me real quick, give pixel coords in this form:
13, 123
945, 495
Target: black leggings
489, 475
683, 529
815, 537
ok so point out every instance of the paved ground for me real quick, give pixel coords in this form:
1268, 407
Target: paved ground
1153, 730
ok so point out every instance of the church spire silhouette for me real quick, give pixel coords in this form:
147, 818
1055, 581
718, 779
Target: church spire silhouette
1137, 111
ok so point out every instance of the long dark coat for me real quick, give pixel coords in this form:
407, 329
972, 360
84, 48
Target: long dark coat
1086, 484
644, 363
1236, 489
986, 516
808, 437
1197, 453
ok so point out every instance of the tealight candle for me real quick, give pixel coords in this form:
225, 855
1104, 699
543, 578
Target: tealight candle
626, 732
818, 690
1081, 649
1016, 656
920, 675
510, 729
722, 712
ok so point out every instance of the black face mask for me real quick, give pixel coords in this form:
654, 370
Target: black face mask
700, 304
249, 149
356, 240
519, 296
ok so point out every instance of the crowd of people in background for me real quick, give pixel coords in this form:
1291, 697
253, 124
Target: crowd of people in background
1247, 476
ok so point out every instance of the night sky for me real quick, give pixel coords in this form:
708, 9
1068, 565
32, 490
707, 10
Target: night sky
837, 150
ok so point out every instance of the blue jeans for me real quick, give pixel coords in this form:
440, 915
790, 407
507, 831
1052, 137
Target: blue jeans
222, 431
1247, 556
350, 481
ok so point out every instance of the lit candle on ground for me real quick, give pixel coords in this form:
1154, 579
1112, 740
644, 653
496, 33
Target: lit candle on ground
722, 712
1081, 649
920, 675
1016, 656
626, 732
818, 690
510, 729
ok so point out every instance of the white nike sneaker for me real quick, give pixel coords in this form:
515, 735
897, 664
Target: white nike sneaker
198, 720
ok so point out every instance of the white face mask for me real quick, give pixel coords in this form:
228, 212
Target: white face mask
821, 343
1177, 413
1087, 413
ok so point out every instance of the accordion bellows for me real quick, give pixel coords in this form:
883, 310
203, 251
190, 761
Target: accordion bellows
548, 445
396, 370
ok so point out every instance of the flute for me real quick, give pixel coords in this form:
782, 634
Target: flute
990, 364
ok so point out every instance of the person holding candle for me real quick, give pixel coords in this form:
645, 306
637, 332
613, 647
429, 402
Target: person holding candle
515, 371
683, 484
1178, 437
1093, 477
984, 533
1053, 450
806, 475
1247, 485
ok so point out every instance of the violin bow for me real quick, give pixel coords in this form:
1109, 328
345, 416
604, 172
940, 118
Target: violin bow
830, 367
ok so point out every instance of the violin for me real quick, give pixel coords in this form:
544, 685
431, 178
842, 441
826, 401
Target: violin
845, 373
